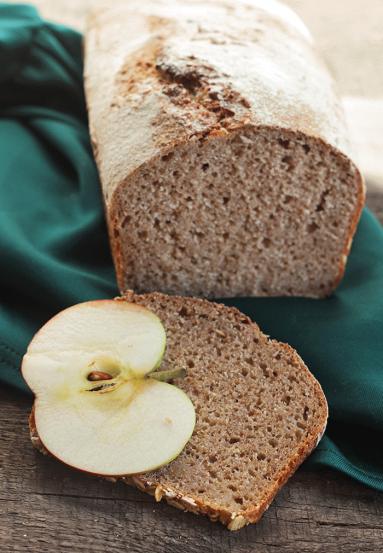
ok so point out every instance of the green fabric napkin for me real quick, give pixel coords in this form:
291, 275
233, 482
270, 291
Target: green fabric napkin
54, 247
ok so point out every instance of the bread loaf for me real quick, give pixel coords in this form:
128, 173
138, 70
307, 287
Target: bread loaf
221, 148
259, 412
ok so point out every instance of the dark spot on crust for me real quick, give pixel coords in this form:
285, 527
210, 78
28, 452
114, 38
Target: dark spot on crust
198, 82
222, 111
191, 85
189, 78
173, 90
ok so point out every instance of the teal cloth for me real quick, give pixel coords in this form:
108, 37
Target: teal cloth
54, 247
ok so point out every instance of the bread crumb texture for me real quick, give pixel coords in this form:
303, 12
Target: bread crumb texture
222, 150
259, 411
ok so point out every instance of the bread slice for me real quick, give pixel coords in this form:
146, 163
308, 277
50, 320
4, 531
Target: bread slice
222, 149
260, 412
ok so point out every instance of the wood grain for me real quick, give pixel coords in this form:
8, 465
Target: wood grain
47, 507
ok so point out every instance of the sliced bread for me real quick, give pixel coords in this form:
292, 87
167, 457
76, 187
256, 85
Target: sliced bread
260, 411
221, 147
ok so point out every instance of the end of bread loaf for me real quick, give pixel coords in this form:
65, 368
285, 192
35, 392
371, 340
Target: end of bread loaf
259, 212
222, 150
259, 410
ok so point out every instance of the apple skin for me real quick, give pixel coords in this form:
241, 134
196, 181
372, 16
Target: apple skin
129, 424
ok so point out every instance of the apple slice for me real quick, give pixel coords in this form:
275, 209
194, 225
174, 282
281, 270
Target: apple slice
97, 407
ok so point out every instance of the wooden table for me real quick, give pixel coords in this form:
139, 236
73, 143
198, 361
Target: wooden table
47, 507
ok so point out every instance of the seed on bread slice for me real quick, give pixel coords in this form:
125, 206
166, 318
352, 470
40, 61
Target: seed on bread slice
260, 411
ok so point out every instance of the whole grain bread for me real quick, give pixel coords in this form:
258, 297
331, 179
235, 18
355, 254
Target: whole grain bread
221, 147
260, 412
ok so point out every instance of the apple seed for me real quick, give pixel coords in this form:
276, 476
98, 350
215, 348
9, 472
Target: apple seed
95, 376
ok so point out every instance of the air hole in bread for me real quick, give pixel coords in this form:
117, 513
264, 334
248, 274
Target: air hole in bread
284, 143
266, 242
167, 157
126, 220
290, 162
286, 399
312, 227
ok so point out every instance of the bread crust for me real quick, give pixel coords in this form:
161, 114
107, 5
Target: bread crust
165, 85
134, 115
175, 497
232, 520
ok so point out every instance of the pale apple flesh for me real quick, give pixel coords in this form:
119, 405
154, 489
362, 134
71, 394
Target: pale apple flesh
136, 428
96, 408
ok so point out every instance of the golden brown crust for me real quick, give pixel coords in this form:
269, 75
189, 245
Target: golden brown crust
175, 497
353, 224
